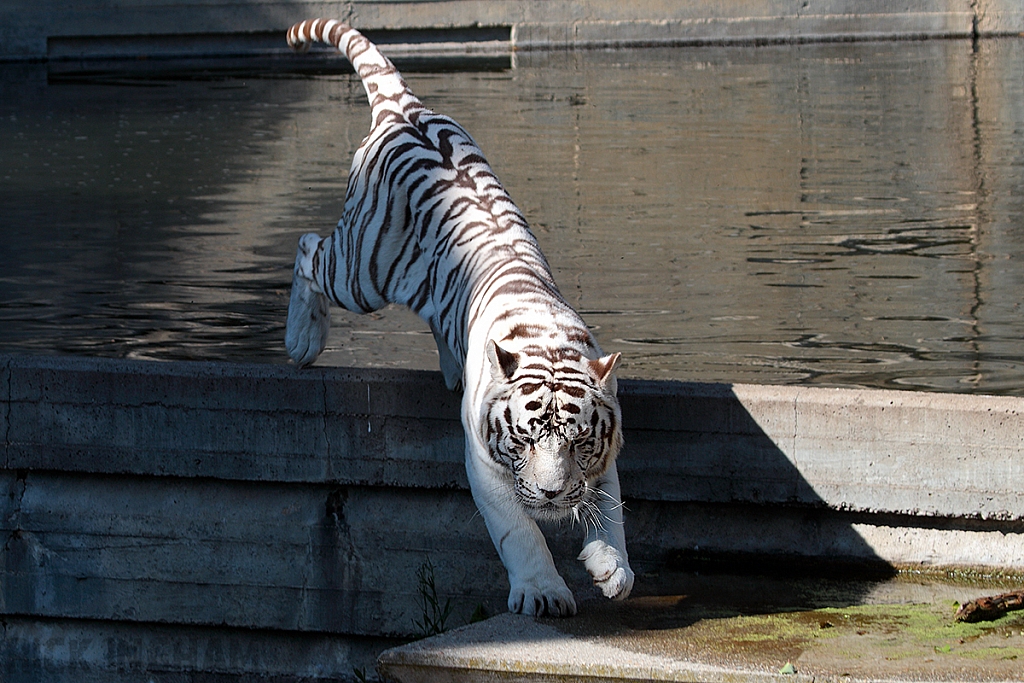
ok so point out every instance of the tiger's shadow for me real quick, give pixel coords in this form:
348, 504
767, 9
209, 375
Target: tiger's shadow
717, 511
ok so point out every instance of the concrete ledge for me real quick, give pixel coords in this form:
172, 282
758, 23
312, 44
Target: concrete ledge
511, 647
76, 651
246, 423
106, 28
879, 452
744, 29
697, 637
912, 453
202, 495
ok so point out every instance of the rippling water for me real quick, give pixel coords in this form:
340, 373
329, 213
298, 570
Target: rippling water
831, 214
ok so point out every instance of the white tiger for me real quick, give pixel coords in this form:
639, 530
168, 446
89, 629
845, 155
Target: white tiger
427, 224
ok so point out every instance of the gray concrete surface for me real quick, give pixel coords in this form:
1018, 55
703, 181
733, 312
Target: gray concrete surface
107, 28
77, 651
729, 629
277, 502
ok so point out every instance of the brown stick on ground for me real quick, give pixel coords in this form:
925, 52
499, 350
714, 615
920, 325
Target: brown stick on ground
987, 609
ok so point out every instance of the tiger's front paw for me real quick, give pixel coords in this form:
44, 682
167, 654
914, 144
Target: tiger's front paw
609, 569
551, 600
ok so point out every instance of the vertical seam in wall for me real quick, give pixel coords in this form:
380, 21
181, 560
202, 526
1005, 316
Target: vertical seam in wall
325, 417
7, 412
795, 438
304, 616
15, 519
305, 612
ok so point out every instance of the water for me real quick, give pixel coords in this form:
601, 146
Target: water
842, 215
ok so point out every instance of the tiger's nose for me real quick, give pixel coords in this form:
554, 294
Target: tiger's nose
550, 494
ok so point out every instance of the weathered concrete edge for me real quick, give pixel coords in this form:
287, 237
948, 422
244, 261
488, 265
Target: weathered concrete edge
534, 24
909, 478
712, 469
91, 651
744, 30
877, 452
510, 645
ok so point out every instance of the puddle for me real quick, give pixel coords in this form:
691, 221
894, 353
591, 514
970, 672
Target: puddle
820, 214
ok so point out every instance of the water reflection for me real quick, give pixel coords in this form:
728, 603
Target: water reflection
833, 214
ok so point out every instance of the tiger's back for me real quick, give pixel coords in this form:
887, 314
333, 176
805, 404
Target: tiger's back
427, 224
422, 188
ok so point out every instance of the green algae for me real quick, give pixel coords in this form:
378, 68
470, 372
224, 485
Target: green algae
903, 639
900, 629
904, 630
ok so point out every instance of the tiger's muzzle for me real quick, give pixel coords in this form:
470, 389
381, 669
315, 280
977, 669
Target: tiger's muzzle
550, 485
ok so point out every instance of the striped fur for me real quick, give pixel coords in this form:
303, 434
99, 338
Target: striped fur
427, 224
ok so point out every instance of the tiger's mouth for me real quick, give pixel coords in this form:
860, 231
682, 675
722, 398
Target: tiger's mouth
565, 505
548, 511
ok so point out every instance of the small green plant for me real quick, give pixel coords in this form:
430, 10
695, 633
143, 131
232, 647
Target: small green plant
479, 613
434, 615
360, 675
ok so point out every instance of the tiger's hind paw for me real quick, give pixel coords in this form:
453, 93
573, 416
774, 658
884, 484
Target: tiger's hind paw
609, 569
309, 321
309, 312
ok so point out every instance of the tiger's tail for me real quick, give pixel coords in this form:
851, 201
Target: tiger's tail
384, 85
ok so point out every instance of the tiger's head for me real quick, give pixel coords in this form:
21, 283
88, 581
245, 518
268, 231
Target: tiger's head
553, 420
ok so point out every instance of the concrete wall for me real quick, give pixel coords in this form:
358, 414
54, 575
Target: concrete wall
166, 518
105, 27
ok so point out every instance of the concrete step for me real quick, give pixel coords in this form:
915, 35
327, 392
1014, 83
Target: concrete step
735, 629
106, 28
252, 518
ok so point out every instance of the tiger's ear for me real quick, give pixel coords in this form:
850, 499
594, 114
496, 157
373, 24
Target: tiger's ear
602, 368
503, 363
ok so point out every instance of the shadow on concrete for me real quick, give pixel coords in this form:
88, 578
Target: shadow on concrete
719, 516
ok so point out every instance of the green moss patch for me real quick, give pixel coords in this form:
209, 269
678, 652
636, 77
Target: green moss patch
906, 641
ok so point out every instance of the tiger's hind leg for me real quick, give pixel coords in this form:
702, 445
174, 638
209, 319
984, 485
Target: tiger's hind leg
309, 312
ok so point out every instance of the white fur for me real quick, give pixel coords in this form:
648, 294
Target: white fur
309, 312
604, 549
494, 245
609, 568
536, 586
